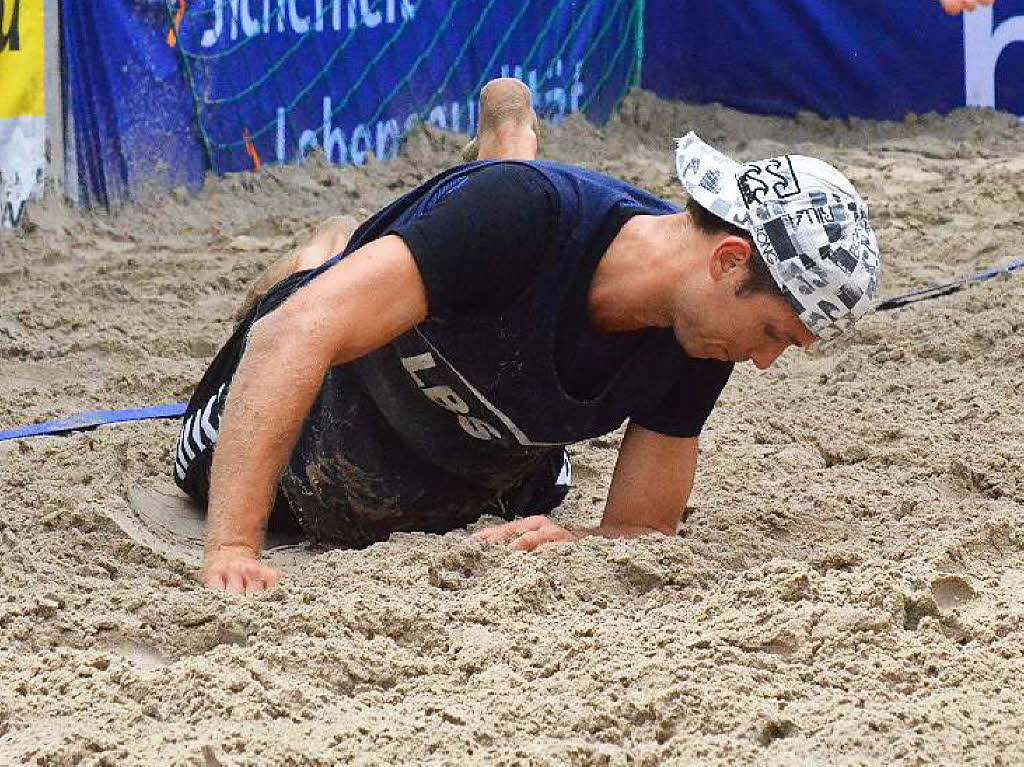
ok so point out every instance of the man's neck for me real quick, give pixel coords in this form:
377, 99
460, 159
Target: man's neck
636, 278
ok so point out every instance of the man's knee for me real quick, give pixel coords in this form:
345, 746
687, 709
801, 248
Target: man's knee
330, 238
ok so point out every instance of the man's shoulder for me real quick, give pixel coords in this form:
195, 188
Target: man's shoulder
586, 183
564, 170
508, 177
553, 172
566, 183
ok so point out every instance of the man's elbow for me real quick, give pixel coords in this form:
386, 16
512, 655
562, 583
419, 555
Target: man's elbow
266, 336
280, 335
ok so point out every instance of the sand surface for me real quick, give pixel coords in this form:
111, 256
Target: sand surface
848, 586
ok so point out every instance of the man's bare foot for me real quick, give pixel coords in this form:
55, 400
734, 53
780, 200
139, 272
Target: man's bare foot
508, 125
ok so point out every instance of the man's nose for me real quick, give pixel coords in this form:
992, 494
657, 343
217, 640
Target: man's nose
766, 355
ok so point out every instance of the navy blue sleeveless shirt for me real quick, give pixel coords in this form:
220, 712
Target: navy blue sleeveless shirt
468, 389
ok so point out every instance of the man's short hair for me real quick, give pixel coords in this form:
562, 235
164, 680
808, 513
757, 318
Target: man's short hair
759, 280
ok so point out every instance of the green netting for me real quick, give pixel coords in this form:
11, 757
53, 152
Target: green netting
272, 78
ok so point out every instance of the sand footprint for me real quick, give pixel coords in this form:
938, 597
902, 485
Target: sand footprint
951, 592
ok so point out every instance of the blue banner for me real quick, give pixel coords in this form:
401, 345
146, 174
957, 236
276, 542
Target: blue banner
272, 79
838, 58
162, 90
134, 123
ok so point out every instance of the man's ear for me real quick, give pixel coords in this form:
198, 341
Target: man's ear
730, 258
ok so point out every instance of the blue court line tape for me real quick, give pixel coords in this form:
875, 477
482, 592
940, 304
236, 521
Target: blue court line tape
948, 288
94, 418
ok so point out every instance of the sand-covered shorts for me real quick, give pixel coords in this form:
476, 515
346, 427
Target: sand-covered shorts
350, 480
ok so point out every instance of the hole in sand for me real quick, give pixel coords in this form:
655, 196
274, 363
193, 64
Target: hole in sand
914, 609
777, 729
951, 592
139, 654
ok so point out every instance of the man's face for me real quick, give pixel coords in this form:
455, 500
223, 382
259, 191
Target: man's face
720, 321
757, 328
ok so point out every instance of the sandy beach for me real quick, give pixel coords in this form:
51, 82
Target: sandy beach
847, 587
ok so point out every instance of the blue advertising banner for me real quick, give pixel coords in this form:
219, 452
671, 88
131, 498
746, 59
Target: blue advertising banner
271, 79
164, 90
838, 58
134, 124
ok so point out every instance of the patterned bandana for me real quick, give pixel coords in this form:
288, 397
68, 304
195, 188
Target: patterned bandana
808, 222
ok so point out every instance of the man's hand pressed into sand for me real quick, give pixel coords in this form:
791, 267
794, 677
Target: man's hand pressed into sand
533, 532
238, 569
527, 534
650, 488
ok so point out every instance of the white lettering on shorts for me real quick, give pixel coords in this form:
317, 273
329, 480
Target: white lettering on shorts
472, 425
191, 442
448, 398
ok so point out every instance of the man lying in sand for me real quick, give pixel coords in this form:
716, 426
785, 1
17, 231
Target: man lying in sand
435, 369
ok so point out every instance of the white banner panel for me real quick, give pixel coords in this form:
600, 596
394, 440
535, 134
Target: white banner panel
22, 100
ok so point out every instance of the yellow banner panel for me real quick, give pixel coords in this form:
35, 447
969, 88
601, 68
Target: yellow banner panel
22, 62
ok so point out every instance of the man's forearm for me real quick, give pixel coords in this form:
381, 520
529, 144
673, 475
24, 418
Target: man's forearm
270, 396
617, 531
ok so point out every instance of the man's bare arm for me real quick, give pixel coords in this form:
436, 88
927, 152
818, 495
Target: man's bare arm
653, 479
369, 298
650, 487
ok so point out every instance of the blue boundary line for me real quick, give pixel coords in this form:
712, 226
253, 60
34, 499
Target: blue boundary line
94, 418
948, 288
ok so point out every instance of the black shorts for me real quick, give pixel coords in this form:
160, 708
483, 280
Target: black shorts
350, 480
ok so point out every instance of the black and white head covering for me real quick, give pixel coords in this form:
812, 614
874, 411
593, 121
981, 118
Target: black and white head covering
808, 222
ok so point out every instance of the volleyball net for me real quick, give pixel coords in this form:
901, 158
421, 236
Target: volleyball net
272, 79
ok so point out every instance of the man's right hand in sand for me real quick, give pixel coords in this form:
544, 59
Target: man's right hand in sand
287, 354
238, 569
